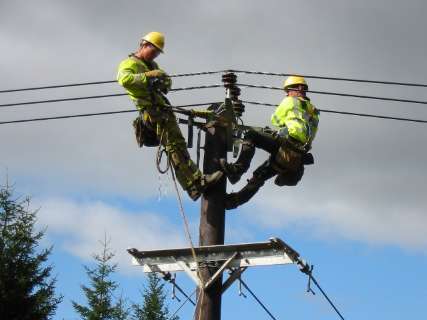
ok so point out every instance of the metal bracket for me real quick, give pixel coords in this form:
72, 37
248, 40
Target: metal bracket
219, 271
236, 257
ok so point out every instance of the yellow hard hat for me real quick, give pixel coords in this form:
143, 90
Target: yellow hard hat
294, 80
157, 39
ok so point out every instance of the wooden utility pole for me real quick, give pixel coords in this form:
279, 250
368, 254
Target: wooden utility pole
212, 224
212, 215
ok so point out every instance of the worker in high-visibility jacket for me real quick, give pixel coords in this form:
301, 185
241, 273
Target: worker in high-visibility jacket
146, 84
296, 121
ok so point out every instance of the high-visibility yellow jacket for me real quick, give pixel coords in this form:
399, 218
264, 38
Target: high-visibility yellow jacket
299, 117
131, 75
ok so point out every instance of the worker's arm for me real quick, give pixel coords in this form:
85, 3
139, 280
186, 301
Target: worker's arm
201, 113
278, 118
128, 77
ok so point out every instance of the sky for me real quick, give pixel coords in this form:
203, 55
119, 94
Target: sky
359, 213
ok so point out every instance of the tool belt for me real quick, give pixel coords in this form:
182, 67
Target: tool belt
145, 132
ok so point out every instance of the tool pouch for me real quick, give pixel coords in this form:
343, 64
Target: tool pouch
145, 134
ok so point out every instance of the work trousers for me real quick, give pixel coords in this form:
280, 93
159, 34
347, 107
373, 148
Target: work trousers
270, 143
170, 136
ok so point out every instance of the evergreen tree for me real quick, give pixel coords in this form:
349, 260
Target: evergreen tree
153, 304
27, 290
102, 304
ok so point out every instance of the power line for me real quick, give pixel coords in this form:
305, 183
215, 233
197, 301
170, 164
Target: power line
256, 298
346, 113
99, 96
58, 86
93, 114
208, 87
210, 103
409, 84
182, 304
336, 94
77, 84
325, 295
61, 100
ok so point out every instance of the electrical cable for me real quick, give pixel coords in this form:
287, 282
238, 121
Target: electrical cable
99, 96
182, 304
93, 114
259, 301
346, 113
325, 295
213, 86
409, 84
201, 104
335, 94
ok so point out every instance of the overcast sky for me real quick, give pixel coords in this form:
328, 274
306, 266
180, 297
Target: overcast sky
366, 190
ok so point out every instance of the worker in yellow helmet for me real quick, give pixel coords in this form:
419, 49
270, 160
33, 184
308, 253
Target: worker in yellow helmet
146, 85
296, 120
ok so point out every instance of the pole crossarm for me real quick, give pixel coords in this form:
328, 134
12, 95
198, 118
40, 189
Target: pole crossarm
234, 256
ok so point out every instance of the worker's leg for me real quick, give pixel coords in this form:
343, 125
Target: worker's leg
260, 175
252, 139
187, 173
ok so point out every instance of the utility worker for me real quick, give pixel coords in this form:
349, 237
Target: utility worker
296, 120
146, 85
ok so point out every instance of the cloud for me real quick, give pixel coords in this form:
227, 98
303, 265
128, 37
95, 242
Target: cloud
368, 182
78, 228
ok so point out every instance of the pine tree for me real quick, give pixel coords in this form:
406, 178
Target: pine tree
153, 306
27, 290
102, 304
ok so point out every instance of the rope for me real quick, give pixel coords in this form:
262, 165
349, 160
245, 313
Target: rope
160, 151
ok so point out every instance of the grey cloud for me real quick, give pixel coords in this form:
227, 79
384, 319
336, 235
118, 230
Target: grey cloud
365, 168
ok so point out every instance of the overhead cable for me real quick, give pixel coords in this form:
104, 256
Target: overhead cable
99, 96
210, 103
208, 87
94, 114
58, 86
257, 300
325, 295
345, 113
408, 84
335, 94
182, 304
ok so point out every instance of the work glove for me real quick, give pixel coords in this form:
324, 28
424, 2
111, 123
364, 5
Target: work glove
157, 73
165, 84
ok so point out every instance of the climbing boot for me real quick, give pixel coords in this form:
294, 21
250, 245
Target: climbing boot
206, 181
234, 171
231, 201
235, 199
230, 170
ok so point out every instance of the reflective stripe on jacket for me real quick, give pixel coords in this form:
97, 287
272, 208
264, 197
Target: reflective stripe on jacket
131, 75
299, 116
